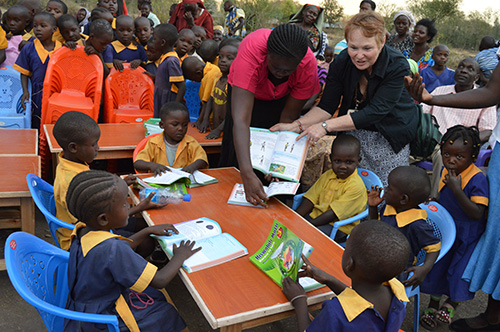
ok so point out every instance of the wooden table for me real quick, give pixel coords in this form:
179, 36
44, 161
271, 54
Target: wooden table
236, 295
18, 142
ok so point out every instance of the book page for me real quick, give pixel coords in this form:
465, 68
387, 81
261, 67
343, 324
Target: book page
282, 188
288, 156
262, 143
194, 230
238, 197
199, 178
168, 177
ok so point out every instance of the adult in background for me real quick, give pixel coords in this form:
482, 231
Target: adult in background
272, 77
423, 35
367, 5
367, 81
310, 19
189, 13
235, 20
402, 39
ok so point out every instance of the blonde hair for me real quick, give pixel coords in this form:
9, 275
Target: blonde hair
371, 25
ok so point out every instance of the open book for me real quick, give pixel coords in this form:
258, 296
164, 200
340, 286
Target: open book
275, 188
280, 256
216, 247
193, 180
278, 153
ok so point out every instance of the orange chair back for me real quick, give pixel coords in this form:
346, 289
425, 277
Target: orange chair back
129, 96
141, 146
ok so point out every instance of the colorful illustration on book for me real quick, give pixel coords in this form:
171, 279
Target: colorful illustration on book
277, 168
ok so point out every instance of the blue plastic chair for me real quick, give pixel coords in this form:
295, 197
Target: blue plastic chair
12, 115
43, 195
39, 273
444, 229
483, 156
370, 179
193, 101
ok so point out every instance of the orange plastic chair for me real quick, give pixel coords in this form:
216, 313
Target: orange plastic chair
128, 96
141, 146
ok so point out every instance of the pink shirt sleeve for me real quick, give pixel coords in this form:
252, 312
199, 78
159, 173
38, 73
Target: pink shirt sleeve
305, 80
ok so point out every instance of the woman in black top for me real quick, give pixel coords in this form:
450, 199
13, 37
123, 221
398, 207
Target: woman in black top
367, 81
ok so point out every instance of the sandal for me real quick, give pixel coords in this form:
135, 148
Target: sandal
445, 314
428, 319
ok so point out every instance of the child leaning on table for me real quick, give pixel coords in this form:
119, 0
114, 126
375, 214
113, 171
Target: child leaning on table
172, 147
339, 193
125, 284
374, 255
78, 135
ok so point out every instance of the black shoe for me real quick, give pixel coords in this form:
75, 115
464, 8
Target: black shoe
461, 325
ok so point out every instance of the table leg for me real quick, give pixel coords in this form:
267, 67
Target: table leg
231, 328
27, 215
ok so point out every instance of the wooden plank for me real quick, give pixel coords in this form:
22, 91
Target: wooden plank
28, 215
18, 141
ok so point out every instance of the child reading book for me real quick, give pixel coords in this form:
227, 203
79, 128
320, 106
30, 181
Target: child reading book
339, 193
172, 147
124, 284
374, 254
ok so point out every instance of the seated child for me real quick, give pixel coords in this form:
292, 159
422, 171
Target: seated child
228, 50
408, 186
184, 44
172, 147
209, 51
82, 17
70, 32
464, 193
143, 31
208, 74
58, 9
124, 284
124, 49
33, 61
153, 55
218, 34
438, 74
98, 13
339, 193
169, 83
147, 12
328, 58
17, 19
200, 34
374, 254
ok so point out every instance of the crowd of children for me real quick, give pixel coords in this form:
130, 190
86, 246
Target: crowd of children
379, 256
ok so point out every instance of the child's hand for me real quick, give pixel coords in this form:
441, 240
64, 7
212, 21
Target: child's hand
453, 181
189, 168
419, 274
89, 49
158, 169
22, 44
146, 204
165, 230
203, 126
312, 271
214, 134
152, 76
185, 250
136, 63
118, 64
70, 44
293, 290
374, 198
25, 98
130, 179
269, 178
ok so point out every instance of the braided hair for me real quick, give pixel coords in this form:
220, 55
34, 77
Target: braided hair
469, 135
90, 193
288, 41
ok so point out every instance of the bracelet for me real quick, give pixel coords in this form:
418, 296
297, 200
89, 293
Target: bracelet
301, 129
297, 297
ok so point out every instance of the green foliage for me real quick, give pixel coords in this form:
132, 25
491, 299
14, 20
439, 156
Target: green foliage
387, 10
267, 13
434, 9
333, 11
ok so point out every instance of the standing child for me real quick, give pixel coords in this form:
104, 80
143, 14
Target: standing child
438, 75
209, 51
374, 254
17, 19
329, 50
172, 147
200, 34
169, 83
339, 193
98, 13
82, 17
143, 31
124, 49
153, 55
33, 61
147, 11
464, 193
58, 9
184, 44
100, 35
120, 286
70, 31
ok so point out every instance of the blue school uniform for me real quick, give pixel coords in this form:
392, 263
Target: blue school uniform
116, 50
446, 275
169, 71
432, 81
151, 67
108, 289
33, 61
350, 312
412, 224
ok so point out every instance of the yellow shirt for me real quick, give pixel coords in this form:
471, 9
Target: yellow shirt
188, 151
65, 172
57, 36
211, 75
346, 197
3, 39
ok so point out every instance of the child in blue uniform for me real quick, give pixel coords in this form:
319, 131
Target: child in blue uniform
374, 254
58, 9
70, 31
124, 284
169, 83
464, 193
408, 186
33, 61
154, 55
124, 49
143, 31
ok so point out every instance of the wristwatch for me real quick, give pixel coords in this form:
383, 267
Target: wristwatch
325, 127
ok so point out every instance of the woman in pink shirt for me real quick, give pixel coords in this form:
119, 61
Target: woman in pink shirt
272, 77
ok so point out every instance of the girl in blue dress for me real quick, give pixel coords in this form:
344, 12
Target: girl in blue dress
464, 193
106, 275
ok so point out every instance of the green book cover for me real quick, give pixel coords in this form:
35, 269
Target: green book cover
279, 256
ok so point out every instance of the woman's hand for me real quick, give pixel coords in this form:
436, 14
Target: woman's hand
254, 191
293, 127
313, 133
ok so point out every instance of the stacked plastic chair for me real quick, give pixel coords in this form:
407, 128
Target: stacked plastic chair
12, 114
129, 96
193, 101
